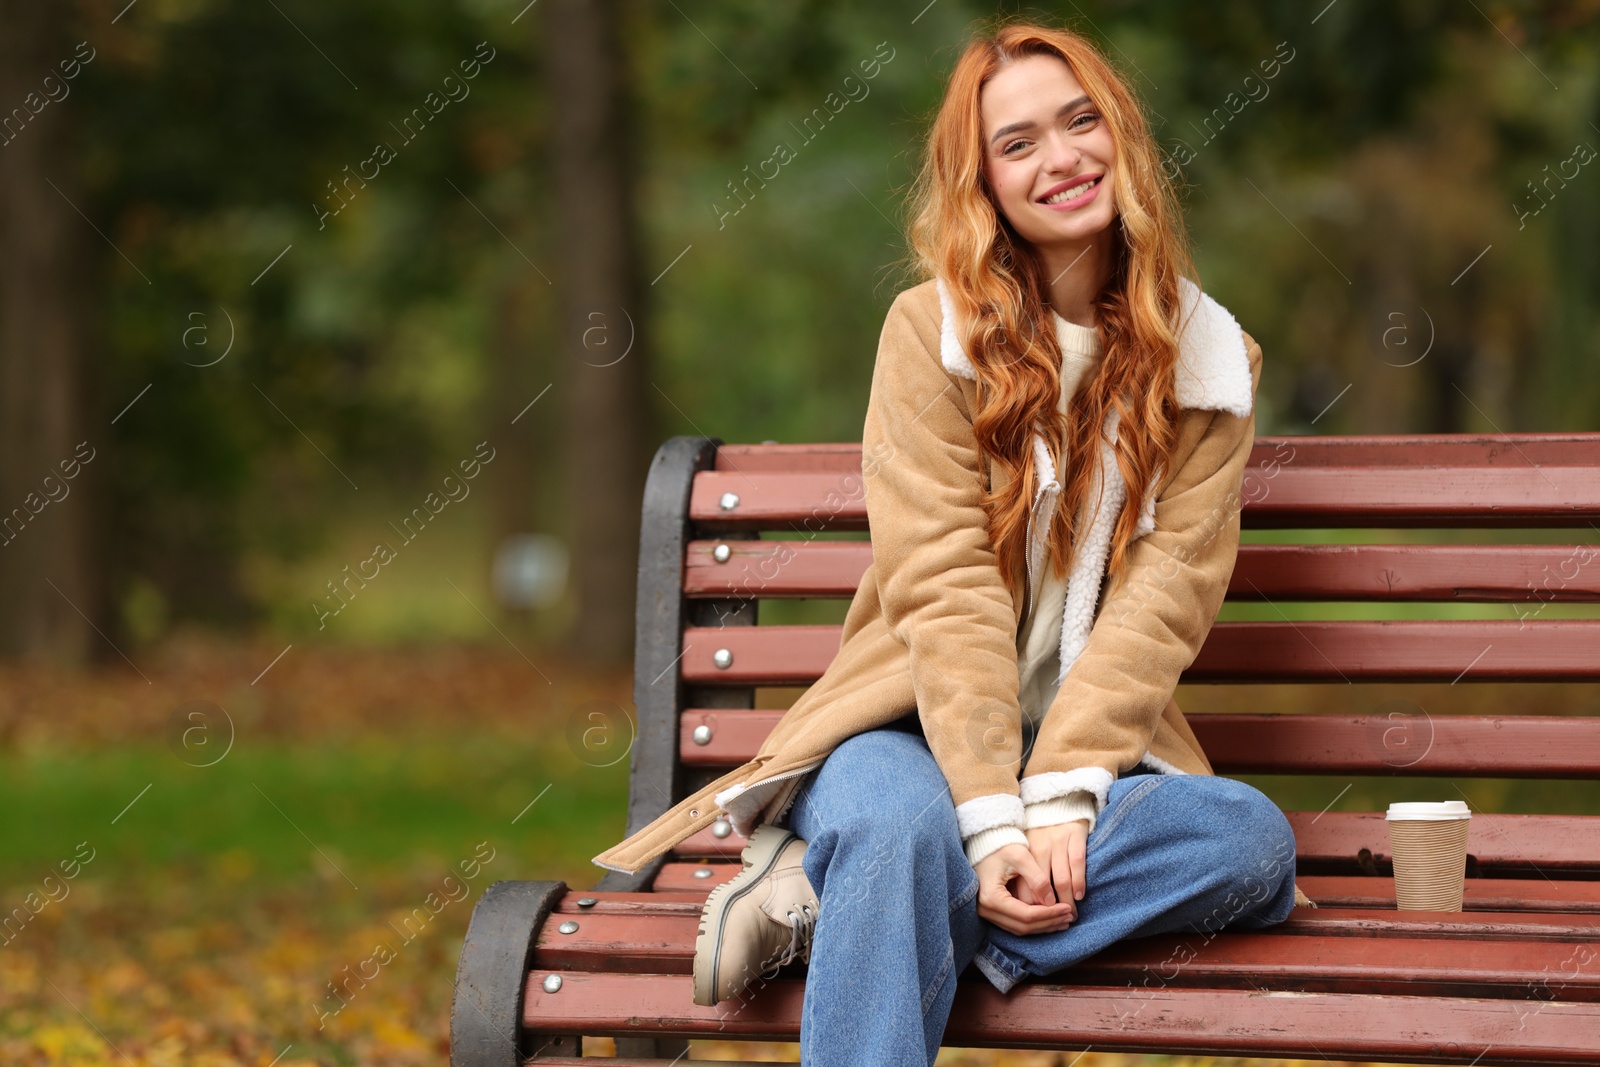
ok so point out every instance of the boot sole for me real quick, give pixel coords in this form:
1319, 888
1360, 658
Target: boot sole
760, 855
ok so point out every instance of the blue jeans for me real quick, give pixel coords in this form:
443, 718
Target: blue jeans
899, 920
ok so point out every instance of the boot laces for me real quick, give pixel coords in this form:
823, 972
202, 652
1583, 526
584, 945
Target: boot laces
802, 923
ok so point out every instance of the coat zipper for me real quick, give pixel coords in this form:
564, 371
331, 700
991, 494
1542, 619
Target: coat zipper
1032, 551
813, 765
1027, 594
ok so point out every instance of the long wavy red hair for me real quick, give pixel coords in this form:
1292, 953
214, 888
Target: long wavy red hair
997, 282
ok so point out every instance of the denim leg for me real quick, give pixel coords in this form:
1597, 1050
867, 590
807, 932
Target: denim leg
1168, 853
898, 903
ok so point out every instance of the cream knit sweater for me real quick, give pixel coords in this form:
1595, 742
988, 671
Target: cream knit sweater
1039, 639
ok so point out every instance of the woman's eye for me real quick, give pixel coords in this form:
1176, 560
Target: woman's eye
1006, 151
1087, 115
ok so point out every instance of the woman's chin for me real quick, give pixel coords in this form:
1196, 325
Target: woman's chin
1079, 233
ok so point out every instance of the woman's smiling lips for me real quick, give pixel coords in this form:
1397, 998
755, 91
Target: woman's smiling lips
1074, 202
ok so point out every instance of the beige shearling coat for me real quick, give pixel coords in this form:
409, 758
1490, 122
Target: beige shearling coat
933, 627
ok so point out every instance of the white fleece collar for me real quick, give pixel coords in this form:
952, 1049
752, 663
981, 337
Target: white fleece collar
1213, 369
1213, 373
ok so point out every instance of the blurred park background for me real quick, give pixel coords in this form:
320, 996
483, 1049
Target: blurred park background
335, 340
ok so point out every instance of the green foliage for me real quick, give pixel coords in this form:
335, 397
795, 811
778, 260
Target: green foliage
1388, 153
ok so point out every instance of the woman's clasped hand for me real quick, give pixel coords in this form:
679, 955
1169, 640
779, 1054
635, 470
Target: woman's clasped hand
1034, 888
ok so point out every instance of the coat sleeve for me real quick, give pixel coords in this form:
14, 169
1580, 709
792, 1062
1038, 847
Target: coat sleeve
939, 583
1150, 626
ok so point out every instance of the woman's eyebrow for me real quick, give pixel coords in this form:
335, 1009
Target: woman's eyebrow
1017, 127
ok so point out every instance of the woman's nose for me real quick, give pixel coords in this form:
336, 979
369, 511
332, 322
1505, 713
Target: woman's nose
1062, 157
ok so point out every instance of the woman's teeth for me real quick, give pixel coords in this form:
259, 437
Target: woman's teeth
1076, 190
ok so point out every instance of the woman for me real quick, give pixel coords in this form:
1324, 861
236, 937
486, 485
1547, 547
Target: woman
992, 770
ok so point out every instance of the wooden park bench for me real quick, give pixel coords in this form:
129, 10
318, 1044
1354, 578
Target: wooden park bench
1514, 978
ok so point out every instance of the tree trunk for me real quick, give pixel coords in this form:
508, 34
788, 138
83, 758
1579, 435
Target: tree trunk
48, 501
603, 375
526, 478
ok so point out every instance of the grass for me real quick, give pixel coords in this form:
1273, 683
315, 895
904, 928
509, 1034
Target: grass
372, 804
219, 905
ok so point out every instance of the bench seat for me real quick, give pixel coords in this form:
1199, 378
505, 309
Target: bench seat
1512, 979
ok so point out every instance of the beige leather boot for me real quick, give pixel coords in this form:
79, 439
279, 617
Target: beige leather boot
758, 920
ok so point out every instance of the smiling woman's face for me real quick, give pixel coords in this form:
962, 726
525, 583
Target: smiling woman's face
1042, 137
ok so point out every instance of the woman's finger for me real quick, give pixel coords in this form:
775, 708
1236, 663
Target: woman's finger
1040, 850
1021, 891
1035, 876
1041, 926
1007, 912
1078, 850
1062, 874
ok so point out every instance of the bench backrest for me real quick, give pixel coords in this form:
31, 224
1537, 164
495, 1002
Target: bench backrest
705, 567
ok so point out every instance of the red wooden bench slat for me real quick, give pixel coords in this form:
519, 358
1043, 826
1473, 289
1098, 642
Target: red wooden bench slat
1401, 651
1533, 895
1459, 573
1480, 894
1556, 845
827, 457
1328, 920
1551, 844
1476, 924
776, 569
658, 901
1047, 1015
1545, 746
1438, 953
626, 919
1485, 482
804, 501
1478, 497
1541, 746
1517, 451
680, 877
1342, 651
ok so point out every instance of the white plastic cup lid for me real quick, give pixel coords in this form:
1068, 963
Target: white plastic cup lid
1417, 809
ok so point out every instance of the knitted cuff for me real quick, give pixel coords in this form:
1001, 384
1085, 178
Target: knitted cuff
1079, 804
984, 842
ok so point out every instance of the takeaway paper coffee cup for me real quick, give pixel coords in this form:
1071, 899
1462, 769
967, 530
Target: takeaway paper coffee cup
1429, 844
